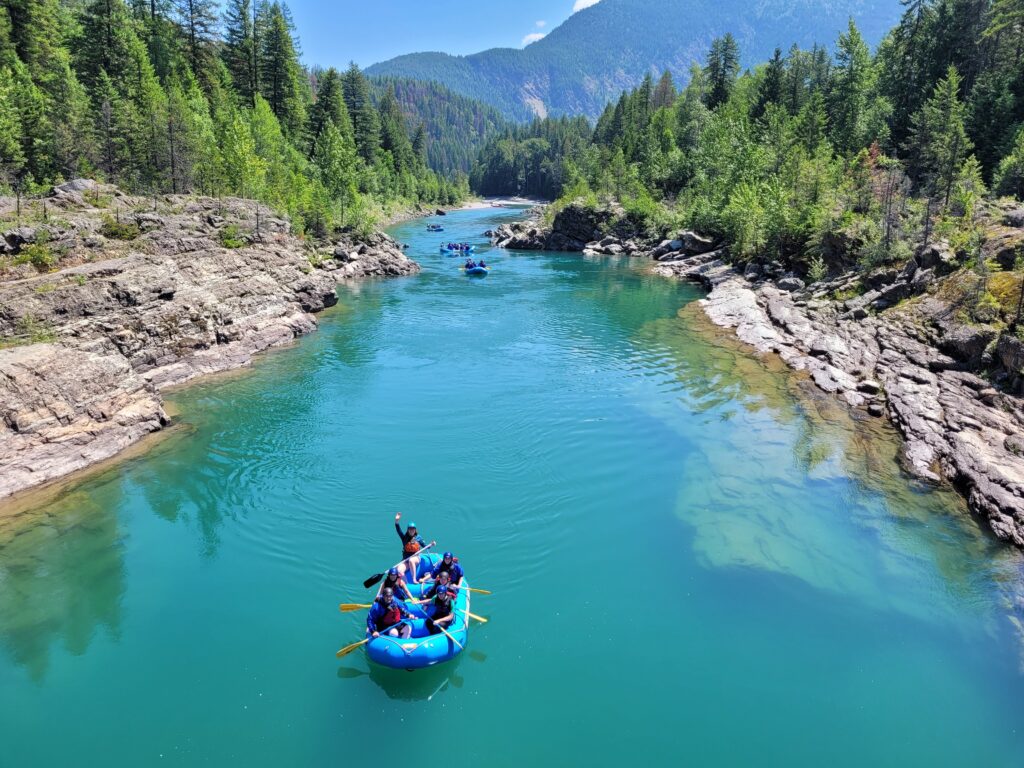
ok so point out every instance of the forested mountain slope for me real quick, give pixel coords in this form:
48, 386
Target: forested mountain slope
456, 127
607, 48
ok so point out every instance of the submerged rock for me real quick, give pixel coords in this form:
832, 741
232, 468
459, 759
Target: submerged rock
954, 424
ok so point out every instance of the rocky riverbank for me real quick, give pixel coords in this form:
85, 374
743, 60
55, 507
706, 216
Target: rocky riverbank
890, 343
111, 299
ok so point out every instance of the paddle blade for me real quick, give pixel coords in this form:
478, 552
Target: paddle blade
481, 619
373, 580
349, 607
481, 591
349, 648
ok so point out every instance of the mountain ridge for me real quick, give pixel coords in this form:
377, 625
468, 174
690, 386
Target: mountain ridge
607, 48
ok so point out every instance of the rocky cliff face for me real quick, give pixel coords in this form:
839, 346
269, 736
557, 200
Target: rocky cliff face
193, 290
912, 362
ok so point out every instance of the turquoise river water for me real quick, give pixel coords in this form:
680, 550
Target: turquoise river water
691, 563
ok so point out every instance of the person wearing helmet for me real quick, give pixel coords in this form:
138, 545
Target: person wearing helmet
444, 582
387, 614
397, 583
412, 543
441, 613
448, 564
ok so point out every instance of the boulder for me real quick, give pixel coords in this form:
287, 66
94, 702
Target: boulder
76, 186
892, 295
752, 272
1014, 218
881, 278
938, 257
579, 223
21, 236
966, 343
1004, 245
1010, 354
692, 243
791, 284
148, 222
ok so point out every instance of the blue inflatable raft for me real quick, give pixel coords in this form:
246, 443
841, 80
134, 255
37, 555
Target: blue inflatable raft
457, 251
477, 271
423, 649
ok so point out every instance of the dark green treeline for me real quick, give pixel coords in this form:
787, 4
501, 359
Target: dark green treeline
172, 96
878, 149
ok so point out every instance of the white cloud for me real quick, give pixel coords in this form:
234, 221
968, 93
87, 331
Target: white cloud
533, 37
579, 5
541, 24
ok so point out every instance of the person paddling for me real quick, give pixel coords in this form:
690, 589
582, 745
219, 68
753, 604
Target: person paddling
441, 614
449, 564
387, 614
397, 584
443, 584
412, 543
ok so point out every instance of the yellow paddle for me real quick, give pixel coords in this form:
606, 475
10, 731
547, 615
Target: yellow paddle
349, 607
461, 648
349, 648
473, 589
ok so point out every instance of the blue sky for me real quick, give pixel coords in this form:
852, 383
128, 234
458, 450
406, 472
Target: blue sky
334, 32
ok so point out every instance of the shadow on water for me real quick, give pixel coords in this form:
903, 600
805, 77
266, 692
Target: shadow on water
63, 578
402, 685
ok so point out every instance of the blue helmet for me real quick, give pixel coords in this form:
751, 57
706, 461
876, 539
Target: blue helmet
393, 572
448, 556
443, 594
411, 525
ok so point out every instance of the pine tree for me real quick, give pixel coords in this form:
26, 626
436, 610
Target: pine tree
244, 171
722, 69
419, 144
770, 89
198, 21
336, 162
329, 107
365, 121
239, 51
664, 92
281, 74
1009, 178
12, 159
850, 115
812, 122
938, 141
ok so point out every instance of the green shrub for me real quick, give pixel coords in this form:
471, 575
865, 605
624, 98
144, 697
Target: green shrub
118, 230
986, 309
30, 331
231, 237
817, 271
39, 256
849, 293
46, 288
